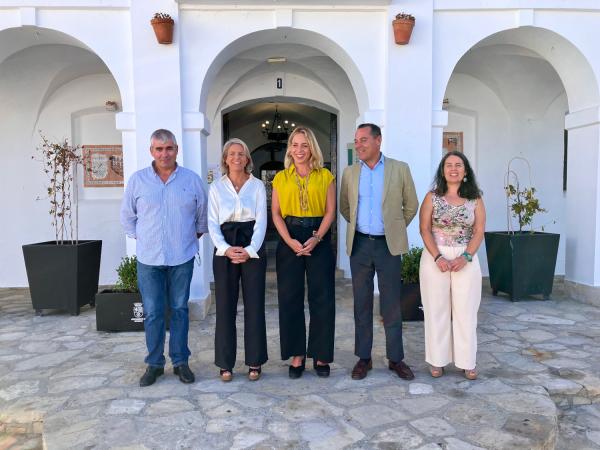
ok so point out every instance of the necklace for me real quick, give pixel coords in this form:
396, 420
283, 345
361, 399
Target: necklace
236, 186
303, 191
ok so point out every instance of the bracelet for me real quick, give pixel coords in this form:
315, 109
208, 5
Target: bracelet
316, 236
439, 255
467, 256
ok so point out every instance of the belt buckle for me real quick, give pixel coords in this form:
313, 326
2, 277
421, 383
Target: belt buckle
371, 237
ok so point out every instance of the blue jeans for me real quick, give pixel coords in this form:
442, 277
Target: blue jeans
160, 285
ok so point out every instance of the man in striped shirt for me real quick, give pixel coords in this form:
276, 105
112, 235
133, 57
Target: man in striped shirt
164, 210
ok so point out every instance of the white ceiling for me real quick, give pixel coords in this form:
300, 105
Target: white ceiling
17, 39
519, 77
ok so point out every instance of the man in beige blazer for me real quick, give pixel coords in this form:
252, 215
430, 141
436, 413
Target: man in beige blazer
378, 200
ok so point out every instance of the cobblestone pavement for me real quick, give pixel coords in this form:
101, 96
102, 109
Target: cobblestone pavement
65, 385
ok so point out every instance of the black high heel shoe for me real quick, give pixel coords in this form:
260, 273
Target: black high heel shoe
322, 371
296, 372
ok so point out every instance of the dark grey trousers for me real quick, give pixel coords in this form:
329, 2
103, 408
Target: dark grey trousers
370, 256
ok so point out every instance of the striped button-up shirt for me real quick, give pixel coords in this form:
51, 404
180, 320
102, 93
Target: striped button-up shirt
164, 218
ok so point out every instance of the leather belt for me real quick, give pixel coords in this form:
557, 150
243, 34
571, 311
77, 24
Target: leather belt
372, 237
306, 222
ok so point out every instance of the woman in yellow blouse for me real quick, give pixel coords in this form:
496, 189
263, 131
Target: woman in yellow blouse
303, 207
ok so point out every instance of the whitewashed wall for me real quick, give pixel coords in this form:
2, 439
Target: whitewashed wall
561, 38
26, 78
399, 87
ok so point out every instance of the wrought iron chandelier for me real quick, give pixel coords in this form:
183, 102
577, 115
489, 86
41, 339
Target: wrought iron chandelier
277, 129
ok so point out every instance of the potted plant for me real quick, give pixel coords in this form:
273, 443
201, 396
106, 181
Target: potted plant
521, 263
403, 26
120, 308
63, 273
163, 24
412, 308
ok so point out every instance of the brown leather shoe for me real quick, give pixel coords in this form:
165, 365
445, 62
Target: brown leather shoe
361, 368
402, 370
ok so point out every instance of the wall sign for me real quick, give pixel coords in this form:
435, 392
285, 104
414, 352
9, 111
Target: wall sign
103, 166
452, 141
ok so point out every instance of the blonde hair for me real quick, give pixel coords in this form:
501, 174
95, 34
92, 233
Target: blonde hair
316, 156
227, 146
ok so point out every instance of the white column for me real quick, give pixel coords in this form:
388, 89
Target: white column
582, 268
438, 123
125, 123
408, 123
195, 130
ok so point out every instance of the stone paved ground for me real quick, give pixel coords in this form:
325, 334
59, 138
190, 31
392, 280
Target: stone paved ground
64, 385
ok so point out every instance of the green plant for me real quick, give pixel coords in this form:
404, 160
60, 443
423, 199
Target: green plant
127, 273
410, 265
60, 162
405, 16
162, 16
521, 203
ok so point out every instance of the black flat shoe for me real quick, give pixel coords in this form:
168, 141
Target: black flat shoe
150, 375
322, 371
296, 372
184, 373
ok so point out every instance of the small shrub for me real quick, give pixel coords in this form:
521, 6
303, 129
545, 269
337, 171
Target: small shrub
127, 273
405, 16
162, 17
522, 203
410, 265
60, 161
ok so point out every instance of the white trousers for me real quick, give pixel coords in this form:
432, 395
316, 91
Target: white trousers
450, 304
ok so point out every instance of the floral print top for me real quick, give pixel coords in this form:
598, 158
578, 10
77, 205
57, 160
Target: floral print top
452, 226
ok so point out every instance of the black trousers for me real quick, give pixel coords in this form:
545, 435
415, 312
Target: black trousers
319, 269
370, 256
227, 283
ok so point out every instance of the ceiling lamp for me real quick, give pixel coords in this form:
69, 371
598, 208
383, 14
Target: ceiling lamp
277, 129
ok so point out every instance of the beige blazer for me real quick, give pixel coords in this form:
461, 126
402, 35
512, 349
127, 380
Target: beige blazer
400, 203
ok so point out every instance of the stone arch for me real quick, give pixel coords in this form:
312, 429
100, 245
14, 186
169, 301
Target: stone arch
313, 60
292, 36
564, 56
53, 82
22, 38
573, 107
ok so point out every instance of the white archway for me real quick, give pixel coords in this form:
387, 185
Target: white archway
537, 83
316, 70
53, 83
285, 36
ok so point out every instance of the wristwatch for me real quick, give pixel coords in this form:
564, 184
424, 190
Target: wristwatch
467, 256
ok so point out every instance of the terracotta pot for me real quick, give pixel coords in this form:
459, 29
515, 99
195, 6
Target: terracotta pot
163, 29
402, 30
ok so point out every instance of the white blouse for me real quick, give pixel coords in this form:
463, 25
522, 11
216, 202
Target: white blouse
227, 205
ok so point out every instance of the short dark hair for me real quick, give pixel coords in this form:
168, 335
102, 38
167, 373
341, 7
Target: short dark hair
375, 130
468, 189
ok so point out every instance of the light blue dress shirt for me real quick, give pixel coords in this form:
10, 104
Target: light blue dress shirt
164, 217
369, 218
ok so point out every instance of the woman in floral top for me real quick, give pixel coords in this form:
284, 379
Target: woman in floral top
452, 222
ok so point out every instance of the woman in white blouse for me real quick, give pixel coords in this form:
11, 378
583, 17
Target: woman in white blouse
237, 222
